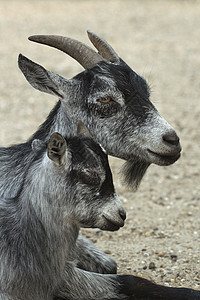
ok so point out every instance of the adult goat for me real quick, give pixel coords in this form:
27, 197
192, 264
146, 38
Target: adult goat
112, 100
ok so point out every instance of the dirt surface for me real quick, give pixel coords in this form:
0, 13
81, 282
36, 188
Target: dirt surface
160, 40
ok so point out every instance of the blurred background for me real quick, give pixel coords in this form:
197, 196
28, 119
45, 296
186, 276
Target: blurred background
160, 39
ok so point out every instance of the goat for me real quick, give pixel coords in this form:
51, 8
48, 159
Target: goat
53, 188
111, 99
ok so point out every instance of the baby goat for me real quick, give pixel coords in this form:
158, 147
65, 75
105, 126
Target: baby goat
54, 188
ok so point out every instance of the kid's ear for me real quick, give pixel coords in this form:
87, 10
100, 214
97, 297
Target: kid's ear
57, 149
40, 78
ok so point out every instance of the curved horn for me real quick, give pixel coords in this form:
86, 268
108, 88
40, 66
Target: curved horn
103, 47
85, 55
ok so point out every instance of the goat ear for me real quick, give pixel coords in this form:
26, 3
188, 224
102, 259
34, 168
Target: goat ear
57, 148
83, 130
40, 78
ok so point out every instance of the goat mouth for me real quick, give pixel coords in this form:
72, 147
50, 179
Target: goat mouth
111, 225
164, 159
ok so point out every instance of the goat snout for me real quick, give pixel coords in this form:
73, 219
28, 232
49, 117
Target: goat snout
171, 139
122, 214
113, 221
172, 146
167, 149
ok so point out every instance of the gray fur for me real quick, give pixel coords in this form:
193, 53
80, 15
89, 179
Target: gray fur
40, 220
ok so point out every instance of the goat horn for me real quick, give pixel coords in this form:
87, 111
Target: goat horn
103, 47
85, 55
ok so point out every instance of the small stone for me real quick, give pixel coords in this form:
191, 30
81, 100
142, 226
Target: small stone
174, 257
94, 241
147, 234
107, 252
161, 254
152, 266
146, 254
99, 232
134, 228
161, 235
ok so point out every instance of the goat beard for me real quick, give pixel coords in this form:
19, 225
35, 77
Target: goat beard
133, 171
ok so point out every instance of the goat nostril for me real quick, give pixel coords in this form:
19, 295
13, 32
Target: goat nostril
122, 214
171, 138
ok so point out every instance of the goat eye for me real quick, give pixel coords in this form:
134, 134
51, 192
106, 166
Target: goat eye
104, 107
104, 100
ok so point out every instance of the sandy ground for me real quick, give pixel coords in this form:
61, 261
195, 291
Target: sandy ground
160, 40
